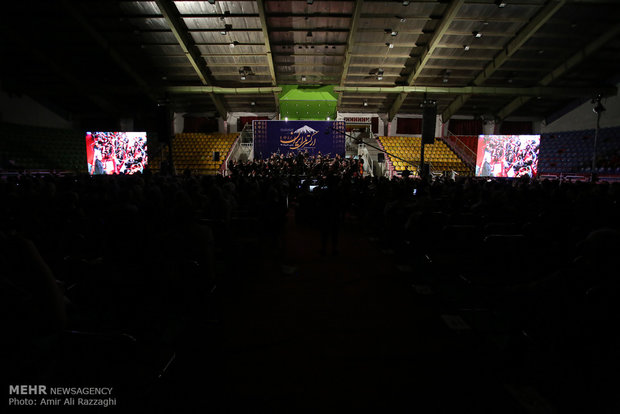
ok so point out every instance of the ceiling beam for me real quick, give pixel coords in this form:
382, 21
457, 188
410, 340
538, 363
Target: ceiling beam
105, 45
179, 29
348, 50
442, 27
222, 91
483, 90
511, 48
570, 63
263, 23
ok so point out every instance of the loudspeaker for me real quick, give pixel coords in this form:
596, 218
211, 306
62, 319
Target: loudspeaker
216, 155
164, 123
425, 170
380, 157
428, 123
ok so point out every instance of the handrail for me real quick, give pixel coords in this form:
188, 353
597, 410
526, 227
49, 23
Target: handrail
377, 148
461, 149
234, 149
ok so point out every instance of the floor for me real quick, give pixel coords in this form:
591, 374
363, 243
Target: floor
298, 331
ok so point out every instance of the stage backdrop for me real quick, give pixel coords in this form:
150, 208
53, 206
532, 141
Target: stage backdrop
326, 137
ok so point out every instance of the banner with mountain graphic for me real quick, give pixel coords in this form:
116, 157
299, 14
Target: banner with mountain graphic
313, 137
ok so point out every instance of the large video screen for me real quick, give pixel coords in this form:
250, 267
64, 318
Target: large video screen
510, 156
116, 152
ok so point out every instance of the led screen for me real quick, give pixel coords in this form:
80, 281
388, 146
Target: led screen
507, 155
116, 152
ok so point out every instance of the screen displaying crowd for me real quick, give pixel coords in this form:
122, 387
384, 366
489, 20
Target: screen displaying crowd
116, 152
509, 156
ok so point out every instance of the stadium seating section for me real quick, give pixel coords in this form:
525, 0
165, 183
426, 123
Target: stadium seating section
439, 155
38, 148
194, 151
571, 152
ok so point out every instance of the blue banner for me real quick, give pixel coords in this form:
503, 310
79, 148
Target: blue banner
313, 137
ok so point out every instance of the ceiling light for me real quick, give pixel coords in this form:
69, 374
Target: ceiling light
303, 78
402, 19
365, 103
466, 47
380, 77
476, 34
242, 77
405, 2
253, 103
393, 33
309, 34
223, 32
233, 44
390, 45
500, 3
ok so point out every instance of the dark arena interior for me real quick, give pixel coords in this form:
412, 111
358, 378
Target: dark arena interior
311, 206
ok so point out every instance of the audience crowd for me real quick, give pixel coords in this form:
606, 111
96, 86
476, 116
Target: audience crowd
142, 253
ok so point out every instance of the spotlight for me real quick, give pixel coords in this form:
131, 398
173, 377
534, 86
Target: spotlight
598, 106
309, 34
380, 77
445, 80
466, 47
365, 103
242, 77
540, 51
233, 44
303, 78
476, 34
390, 45
253, 103
500, 3
405, 2
286, 118
393, 33
309, 1
328, 118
